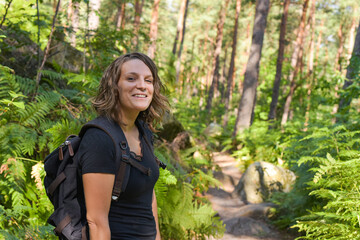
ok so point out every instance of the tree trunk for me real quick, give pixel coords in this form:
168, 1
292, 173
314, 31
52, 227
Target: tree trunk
38, 77
310, 64
216, 61
38, 34
180, 24
279, 62
181, 42
93, 17
351, 39
295, 59
230, 76
350, 74
138, 12
246, 53
120, 15
318, 43
153, 29
74, 22
248, 97
340, 50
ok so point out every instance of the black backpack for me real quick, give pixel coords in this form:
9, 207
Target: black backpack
62, 175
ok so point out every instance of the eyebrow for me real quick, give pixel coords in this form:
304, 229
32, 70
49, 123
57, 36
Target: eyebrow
134, 73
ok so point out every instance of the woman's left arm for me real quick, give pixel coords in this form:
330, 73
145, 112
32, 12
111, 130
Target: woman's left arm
155, 212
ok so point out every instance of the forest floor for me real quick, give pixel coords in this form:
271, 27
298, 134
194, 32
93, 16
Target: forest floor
243, 221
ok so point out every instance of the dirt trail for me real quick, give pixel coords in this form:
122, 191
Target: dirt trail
245, 222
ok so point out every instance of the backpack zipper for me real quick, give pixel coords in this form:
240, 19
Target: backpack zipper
71, 151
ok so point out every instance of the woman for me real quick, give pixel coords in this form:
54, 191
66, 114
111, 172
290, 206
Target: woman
130, 91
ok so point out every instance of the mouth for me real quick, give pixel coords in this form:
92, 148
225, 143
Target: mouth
140, 95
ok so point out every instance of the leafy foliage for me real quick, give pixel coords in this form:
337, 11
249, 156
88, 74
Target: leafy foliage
182, 214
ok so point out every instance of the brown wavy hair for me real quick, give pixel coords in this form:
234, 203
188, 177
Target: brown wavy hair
107, 103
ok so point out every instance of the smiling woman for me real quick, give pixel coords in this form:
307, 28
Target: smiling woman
129, 95
106, 103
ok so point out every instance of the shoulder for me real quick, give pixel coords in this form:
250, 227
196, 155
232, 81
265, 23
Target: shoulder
96, 136
96, 152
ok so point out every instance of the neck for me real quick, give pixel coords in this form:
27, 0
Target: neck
127, 121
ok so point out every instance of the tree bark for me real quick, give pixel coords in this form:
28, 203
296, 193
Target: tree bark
38, 77
178, 36
153, 29
310, 64
246, 53
216, 61
279, 62
138, 12
230, 76
181, 42
318, 43
295, 59
74, 17
248, 97
351, 39
350, 74
120, 15
340, 49
93, 17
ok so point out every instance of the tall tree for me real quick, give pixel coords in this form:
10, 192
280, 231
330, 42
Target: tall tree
230, 77
183, 30
248, 97
38, 76
351, 38
73, 18
153, 29
180, 24
279, 62
351, 72
309, 77
120, 15
138, 11
340, 50
216, 56
93, 16
295, 62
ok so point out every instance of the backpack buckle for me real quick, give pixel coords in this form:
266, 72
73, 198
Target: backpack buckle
125, 158
123, 145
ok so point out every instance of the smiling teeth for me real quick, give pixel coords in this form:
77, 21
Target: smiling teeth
138, 95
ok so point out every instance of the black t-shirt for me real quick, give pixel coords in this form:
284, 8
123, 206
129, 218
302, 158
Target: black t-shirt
130, 217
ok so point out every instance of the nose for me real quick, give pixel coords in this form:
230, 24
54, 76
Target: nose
141, 83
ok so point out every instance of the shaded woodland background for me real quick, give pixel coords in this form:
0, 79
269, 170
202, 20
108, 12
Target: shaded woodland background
276, 81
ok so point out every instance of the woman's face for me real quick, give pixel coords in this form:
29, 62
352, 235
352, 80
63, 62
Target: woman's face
136, 86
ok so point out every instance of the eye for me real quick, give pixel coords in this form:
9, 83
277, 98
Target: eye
130, 78
149, 80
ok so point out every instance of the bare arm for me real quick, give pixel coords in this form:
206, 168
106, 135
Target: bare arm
155, 212
98, 189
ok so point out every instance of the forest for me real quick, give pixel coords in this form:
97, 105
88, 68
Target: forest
272, 81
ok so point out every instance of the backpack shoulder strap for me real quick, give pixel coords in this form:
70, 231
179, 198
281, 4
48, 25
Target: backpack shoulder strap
149, 139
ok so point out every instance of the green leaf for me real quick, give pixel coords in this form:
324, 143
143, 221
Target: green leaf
19, 105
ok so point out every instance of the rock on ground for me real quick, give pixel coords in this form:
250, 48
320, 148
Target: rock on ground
243, 221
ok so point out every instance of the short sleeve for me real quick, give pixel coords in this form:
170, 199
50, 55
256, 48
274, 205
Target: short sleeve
96, 153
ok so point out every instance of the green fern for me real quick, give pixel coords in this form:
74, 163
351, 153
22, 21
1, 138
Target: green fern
35, 112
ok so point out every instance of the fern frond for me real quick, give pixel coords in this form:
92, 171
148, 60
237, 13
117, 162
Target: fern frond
35, 112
